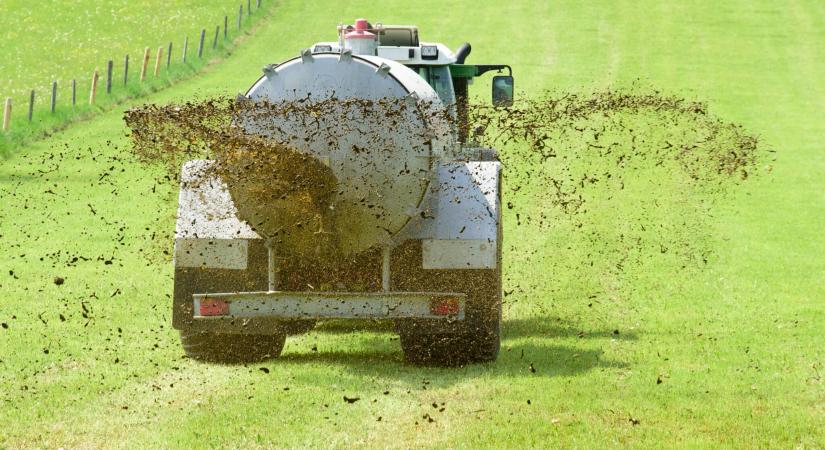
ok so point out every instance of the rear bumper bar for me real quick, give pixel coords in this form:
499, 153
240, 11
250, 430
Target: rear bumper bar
329, 305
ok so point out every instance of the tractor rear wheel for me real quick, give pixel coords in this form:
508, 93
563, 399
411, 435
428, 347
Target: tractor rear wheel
231, 348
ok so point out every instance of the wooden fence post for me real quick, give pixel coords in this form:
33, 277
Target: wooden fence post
157, 61
74, 92
93, 91
225, 26
200, 45
126, 70
240, 15
145, 63
185, 47
31, 105
54, 95
215, 42
109, 67
169, 56
7, 115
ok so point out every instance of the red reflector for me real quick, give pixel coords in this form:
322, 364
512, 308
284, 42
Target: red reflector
214, 307
444, 306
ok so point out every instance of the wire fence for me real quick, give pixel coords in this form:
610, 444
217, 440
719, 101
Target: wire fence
147, 67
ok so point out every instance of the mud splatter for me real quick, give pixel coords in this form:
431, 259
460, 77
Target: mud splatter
611, 183
282, 157
603, 182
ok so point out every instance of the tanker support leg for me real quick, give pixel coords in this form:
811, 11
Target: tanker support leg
385, 268
272, 272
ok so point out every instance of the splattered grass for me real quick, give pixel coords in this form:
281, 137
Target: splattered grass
606, 182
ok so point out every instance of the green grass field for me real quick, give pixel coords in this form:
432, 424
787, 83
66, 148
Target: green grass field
47, 41
100, 33
729, 354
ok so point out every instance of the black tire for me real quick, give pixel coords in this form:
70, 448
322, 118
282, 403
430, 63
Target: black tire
476, 339
231, 348
451, 349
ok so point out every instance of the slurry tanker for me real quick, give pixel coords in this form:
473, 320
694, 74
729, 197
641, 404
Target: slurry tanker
414, 209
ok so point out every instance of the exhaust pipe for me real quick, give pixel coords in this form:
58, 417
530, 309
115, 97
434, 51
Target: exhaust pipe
463, 52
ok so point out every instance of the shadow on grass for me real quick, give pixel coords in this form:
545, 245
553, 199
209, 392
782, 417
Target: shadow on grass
379, 355
350, 326
547, 327
526, 360
11, 178
551, 327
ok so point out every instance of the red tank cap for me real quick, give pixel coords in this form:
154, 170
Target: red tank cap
360, 32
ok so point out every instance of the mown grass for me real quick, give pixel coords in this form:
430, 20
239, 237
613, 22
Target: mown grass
45, 42
725, 355
97, 33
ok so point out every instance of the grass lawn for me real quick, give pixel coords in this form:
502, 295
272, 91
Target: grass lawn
97, 33
48, 41
728, 354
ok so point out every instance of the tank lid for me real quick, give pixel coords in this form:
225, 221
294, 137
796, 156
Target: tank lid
360, 32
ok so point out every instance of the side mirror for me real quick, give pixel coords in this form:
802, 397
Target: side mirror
503, 90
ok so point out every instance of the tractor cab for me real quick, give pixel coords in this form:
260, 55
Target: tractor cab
444, 70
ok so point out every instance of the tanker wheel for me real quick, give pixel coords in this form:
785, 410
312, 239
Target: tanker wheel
445, 349
231, 348
476, 339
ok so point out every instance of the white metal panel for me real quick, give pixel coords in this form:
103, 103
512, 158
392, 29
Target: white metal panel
468, 201
445, 55
396, 53
320, 305
212, 253
458, 254
205, 208
460, 230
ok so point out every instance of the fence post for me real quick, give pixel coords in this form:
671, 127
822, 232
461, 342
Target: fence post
93, 91
240, 15
200, 45
126, 70
259, 4
54, 95
225, 26
185, 47
7, 115
31, 105
169, 56
249, 8
109, 68
157, 61
215, 42
74, 92
145, 63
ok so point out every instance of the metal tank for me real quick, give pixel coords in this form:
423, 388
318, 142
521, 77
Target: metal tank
383, 165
